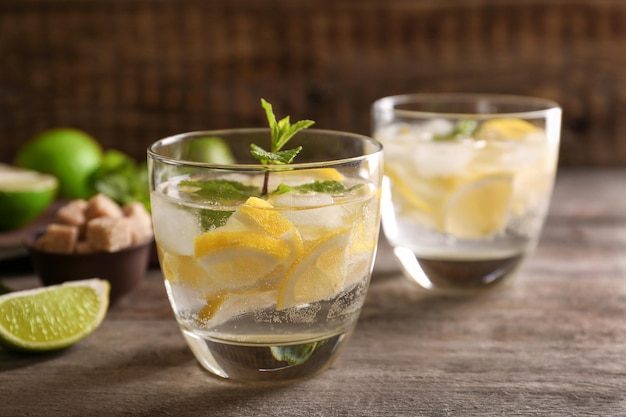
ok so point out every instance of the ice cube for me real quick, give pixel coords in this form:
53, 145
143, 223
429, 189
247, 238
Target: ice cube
175, 227
433, 159
438, 126
311, 209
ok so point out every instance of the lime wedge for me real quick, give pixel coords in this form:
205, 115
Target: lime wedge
24, 195
54, 317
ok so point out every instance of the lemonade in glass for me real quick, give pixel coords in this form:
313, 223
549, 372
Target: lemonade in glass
468, 180
266, 266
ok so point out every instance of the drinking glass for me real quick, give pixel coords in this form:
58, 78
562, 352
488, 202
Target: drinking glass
468, 180
266, 266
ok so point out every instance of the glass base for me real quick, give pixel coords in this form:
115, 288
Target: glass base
248, 362
458, 275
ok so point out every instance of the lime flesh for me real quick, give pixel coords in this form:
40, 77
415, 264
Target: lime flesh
23, 195
54, 317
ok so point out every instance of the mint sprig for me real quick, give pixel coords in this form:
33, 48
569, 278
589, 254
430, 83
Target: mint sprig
281, 132
463, 128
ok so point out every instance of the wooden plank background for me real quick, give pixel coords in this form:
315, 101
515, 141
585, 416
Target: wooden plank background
132, 71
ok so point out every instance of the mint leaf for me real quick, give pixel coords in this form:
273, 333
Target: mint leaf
463, 128
297, 354
326, 187
283, 130
223, 190
212, 219
122, 179
274, 158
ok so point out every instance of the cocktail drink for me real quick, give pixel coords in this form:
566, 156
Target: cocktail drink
468, 180
266, 266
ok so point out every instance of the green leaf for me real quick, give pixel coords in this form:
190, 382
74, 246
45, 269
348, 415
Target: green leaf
223, 190
122, 179
296, 354
463, 128
326, 187
282, 189
271, 119
274, 158
283, 130
212, 219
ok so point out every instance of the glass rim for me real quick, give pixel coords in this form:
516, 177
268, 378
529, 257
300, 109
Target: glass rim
390, 103
152, 153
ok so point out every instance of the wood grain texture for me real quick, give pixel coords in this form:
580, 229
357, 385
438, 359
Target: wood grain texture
553, 343
132, 71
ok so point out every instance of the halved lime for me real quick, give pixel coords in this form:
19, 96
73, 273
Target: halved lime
54, 317
24, 195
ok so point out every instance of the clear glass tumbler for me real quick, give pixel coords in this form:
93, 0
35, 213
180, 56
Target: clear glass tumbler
468, 181
266, 266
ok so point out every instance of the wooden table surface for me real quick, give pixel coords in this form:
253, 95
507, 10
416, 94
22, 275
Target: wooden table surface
553, 343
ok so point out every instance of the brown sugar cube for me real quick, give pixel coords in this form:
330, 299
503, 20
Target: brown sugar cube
73, 213
141, 221
58, 238
139, 233
82, 247
102, 206
137, 211
109, 234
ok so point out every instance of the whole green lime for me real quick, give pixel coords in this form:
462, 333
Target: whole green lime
24, 195
211, 149
69, 154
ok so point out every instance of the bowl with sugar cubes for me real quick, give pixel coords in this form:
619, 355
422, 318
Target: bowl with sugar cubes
95, 238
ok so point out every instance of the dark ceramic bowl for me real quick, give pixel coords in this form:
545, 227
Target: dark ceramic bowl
123, 269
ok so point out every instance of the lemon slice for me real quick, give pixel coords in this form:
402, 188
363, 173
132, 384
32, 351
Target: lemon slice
478, 209
255, 246
54, 317
184, 270
318, 273
236, 260
258, 216
505, 129
300, 177
226, 305
405, 190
